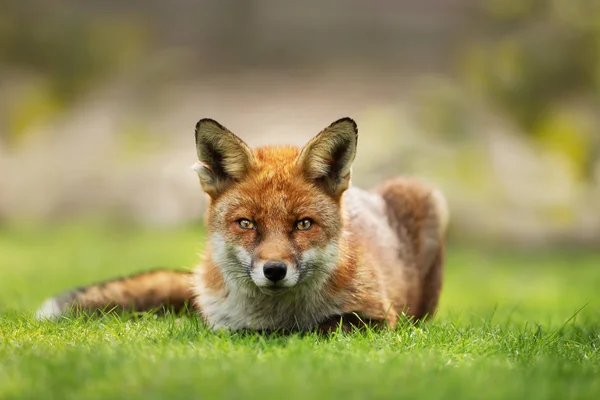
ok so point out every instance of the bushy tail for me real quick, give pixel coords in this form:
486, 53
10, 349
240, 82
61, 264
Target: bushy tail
158, 289
421, 213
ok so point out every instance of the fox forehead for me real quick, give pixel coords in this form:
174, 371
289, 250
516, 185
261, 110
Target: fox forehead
276, 156
276, 172
276, 191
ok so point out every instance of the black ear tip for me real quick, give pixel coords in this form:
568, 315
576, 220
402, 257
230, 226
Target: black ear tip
208, 126
207, 121
347, 120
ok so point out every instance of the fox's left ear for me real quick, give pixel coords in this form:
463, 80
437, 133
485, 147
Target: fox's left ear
327, 158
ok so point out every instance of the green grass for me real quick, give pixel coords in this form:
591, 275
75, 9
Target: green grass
508, 327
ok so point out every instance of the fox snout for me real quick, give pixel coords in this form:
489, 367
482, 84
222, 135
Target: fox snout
275, 271
274, 274
274, 265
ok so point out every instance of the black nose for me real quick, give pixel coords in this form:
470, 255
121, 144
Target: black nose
275, 270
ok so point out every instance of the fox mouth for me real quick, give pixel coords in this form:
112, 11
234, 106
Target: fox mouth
273, 290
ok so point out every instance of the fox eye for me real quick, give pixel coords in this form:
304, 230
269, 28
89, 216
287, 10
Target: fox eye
246, 224
304, 224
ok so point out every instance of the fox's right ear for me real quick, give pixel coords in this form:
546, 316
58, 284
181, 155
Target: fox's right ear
223, 158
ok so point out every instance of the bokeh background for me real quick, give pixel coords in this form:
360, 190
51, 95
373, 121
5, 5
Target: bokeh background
496, 101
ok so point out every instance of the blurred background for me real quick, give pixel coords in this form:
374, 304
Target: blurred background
495, 101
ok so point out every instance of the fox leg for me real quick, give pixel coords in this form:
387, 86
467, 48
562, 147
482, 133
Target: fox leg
141, 292
351, 321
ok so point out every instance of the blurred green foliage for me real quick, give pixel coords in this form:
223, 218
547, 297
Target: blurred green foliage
538, 61
443, 113
32, 105
66, 52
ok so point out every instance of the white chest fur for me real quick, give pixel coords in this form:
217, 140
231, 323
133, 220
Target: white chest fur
236, 309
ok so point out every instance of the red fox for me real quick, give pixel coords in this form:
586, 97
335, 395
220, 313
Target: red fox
291, 245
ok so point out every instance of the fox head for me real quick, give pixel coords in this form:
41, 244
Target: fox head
275, 217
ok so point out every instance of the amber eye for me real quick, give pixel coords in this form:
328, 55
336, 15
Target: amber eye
246, 224
304, 224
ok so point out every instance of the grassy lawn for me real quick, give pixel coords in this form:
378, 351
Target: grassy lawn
508, 327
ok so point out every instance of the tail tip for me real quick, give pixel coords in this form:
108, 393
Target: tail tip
51, 309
